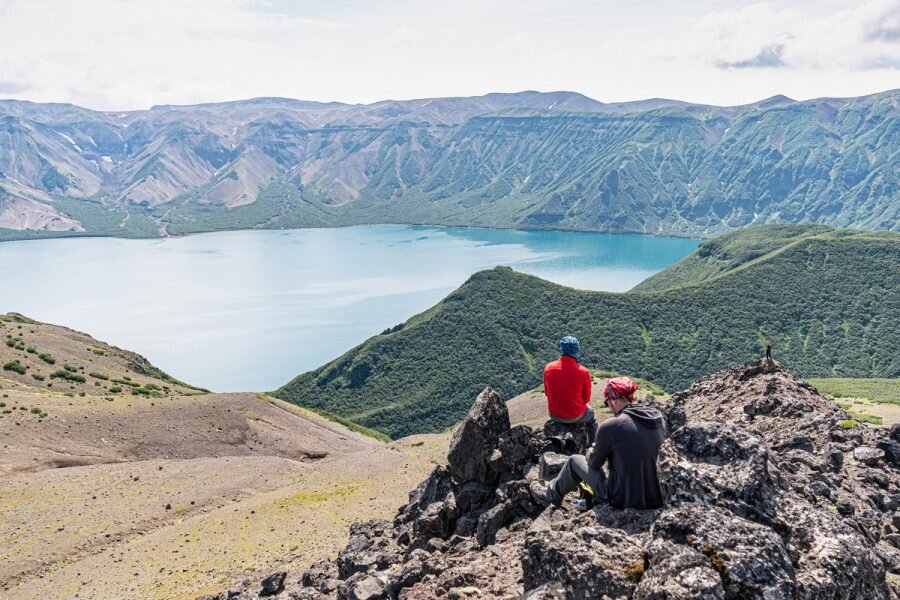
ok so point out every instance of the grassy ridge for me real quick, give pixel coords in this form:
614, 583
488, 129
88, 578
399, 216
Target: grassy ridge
730, 251
830, 304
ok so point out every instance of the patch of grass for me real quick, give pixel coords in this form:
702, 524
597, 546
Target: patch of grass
252, 416
99, 376
848, 424
864, 418
879, 390
31, 350
316, 497
115, 390
47, 358
70, 368
38, 376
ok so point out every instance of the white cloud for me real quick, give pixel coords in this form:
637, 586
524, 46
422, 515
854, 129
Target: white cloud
119, 54
769, 34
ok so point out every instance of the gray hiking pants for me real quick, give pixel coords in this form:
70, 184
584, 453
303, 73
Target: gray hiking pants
575, 471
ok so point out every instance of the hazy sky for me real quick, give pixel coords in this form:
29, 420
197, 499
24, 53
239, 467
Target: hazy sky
119, 54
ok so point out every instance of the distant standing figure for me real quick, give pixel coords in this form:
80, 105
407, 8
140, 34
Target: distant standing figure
567, 386
768, 351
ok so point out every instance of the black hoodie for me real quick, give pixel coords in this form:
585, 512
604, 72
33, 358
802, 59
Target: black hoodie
629, 443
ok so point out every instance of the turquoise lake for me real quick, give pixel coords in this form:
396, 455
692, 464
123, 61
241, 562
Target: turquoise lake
249, 310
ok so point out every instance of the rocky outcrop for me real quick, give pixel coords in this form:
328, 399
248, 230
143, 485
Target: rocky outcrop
767, 495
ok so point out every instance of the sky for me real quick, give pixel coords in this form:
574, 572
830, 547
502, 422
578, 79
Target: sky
126, 55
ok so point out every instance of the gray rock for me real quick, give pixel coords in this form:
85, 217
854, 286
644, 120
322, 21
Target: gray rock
717, 463
434, 489
549, 591
868, 455
476, 439
751, 559
273, 584
473, 496
566, 438
551, 464
364, 587
820, 488
492, 521
677, 572
516, 448
434, 522
831, 558
595, 562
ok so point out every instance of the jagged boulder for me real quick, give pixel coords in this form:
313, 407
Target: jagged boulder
516, 448
589, 561
370, 548
832, 558
434, 489
718, 463
750, 558
473, 443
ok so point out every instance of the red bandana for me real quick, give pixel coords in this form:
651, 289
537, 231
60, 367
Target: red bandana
620, 388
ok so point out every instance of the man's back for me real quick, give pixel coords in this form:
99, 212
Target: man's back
567, 385
629, 442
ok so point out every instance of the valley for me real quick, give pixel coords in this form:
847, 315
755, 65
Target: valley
143, 487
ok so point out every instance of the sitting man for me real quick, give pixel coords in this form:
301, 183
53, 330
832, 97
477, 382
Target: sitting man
567, 386
628, 442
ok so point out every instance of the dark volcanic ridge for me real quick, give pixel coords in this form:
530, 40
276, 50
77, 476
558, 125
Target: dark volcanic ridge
770, 492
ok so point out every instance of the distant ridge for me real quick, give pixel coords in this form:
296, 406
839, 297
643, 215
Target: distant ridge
526, 160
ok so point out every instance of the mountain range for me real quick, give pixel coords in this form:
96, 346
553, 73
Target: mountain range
524, 160
827, 299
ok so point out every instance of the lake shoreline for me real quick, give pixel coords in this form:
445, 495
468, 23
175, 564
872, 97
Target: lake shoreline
32, 235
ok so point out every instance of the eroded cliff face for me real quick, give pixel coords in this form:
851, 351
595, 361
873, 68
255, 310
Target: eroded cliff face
770, 493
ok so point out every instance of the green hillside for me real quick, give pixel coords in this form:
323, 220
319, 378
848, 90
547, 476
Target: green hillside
829, 302
729, 251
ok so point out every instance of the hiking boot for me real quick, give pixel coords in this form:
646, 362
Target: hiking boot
542, 494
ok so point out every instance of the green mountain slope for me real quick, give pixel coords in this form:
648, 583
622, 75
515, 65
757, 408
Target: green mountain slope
525, 160
730, 251
829, 302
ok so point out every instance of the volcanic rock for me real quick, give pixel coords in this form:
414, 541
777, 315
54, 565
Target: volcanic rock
476, 439
760, 502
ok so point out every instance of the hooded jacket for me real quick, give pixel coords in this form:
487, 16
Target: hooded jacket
629, 444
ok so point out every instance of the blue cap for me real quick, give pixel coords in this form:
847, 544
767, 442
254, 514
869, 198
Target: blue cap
569, 346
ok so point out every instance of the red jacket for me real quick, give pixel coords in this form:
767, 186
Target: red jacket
568, 388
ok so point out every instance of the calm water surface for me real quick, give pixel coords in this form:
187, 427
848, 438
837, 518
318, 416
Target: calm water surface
249, 310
